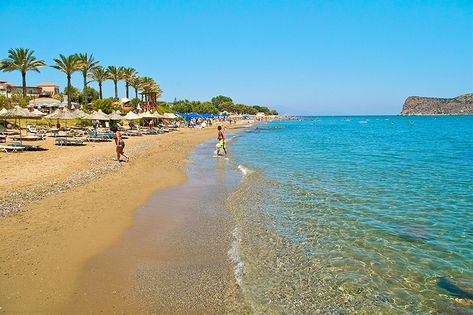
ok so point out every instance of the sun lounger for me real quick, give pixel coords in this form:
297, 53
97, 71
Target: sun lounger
3, 138
132, 133
95, 139
64, 141
26, 147
153, 132
8, 132
8, 148
29, 138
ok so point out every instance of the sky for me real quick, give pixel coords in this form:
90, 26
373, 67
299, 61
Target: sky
299, 57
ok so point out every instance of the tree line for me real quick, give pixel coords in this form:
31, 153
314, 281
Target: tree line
24, 60
217, 104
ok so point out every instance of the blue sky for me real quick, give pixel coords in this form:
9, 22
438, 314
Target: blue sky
300, 57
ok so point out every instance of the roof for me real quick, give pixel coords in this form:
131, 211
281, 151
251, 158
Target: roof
45, 100
44, 84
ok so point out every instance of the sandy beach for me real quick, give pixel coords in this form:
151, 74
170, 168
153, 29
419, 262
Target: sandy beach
63, 206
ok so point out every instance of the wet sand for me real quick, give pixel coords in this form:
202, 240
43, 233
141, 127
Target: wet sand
173, 259
44, 247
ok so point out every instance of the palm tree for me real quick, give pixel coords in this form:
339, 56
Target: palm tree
99, 74
136, 84
147, 84
67, 65
115, 74
21, 59
86, 64
129, 74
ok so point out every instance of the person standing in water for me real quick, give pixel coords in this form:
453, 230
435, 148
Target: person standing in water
221, 141
120, 144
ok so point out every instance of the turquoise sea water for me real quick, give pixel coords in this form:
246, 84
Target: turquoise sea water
368, 215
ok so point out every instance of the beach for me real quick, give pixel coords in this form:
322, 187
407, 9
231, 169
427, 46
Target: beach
76, 202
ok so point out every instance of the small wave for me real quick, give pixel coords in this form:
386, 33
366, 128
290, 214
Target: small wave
234, 253
244, 170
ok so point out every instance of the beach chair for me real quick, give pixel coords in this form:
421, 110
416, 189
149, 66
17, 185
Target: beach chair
98, 139
26, 147
9, 148
65, 141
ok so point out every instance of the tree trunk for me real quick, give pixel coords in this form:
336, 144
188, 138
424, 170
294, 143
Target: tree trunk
116, 90
86, 101
23, 77
69, 91
136, 93
100, 89
127, 86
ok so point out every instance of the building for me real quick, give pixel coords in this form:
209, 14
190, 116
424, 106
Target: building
46, 88
5, 87
49, 88
30, 90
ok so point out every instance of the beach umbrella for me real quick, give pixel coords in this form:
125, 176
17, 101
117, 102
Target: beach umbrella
98, 115
158, 115
131, 116
125, 100
79, 113
18, 113
170, 116
2, 111
65, 114
115, 116
147, 114
37, 113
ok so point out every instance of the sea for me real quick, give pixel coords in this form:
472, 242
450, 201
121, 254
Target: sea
353, 215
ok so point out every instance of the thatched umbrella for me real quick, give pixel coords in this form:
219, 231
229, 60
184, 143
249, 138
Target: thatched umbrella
170, 116
98, 115
147, 114
115, 116
17, 113
132, 116
38, 113
65, 114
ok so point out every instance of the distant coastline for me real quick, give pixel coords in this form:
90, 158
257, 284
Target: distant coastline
417, 105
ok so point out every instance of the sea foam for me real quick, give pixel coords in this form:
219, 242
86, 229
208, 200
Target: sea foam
234, 253
244, 170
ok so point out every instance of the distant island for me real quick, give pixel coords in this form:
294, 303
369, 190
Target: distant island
417, 105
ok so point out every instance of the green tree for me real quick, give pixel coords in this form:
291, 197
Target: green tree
99, 74
129, 75
23, 60
19, 99
136, 83
134, 103
218, 100
106, 105
92, 95
5, 102
59, 97
74, 94
116, 74
68, 65
86, 64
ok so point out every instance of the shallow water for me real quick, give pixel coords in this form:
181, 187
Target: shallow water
355, 215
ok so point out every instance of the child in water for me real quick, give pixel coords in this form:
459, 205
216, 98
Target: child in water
221, 142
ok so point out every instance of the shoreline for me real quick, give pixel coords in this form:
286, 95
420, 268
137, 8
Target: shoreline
174, 258
45, 246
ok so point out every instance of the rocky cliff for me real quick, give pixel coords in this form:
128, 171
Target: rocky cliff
416, 105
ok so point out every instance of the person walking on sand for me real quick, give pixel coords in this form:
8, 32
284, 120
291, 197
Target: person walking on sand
221, 141
120, 144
